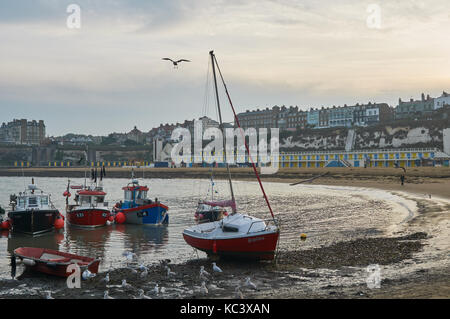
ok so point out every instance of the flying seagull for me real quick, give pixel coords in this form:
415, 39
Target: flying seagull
175, 63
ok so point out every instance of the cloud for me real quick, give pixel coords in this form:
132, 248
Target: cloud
305, 53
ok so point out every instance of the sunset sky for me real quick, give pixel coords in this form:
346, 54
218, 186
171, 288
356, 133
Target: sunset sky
108, 75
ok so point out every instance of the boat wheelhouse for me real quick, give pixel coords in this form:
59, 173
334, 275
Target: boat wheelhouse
138, 209
32, 211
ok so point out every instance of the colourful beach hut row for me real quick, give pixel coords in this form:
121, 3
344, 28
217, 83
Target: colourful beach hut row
22, 164
119, 164
357, 159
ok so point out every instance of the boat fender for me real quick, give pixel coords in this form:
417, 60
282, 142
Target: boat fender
120, 218
29, 262
59, 223
67, 194
5, 225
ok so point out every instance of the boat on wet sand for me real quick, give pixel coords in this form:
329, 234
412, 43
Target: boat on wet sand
32, 211
54, 262
236, 235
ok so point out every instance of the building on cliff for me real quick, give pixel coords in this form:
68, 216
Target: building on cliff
23, 132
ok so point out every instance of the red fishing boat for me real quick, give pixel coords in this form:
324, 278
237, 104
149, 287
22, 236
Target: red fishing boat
236, 235
90, 208
53, 262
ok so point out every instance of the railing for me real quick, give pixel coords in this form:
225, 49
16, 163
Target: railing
267, 221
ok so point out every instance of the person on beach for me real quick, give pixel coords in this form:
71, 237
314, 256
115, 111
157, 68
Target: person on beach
402, 179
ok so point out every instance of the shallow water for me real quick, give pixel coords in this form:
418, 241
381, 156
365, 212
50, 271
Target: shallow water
326, 214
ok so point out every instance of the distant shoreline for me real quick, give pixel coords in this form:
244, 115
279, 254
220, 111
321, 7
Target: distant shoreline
433, 181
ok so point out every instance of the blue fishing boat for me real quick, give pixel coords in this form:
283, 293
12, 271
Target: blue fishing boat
136, 208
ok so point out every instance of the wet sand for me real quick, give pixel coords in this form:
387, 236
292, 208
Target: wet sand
415, 263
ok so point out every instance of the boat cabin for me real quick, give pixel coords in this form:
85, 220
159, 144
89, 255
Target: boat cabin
135, 194
31, 199
91, 198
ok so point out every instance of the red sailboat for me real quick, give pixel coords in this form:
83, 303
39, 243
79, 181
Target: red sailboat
238, 234
90, 208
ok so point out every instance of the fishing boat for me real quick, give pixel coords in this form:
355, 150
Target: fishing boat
32, 211
53, 262
137, 209
90, 208
238, 234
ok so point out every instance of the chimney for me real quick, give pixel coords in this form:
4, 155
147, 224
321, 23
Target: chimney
423, 97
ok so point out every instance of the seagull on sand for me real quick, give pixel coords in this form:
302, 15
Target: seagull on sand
203, 272
106, 295
216, 268
142, 267
142, 295
106, 279
175, 63
169, 272
125, 285
129, 255
238, 293
87, 274
144, 273
203, 289
48, 295
156, 290
248, 283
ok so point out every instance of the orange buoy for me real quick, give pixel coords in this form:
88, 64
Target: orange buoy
120, 218
67, 194
59, 223
5, 225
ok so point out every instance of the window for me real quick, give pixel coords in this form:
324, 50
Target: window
44, 201
32, 201
128, 195
85, 200
21, 202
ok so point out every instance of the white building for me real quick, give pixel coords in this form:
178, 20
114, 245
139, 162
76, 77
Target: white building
444, 99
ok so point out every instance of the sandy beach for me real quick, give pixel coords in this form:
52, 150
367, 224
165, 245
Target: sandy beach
414, 261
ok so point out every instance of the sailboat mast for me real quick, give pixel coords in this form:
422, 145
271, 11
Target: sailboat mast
222, 129
245, 143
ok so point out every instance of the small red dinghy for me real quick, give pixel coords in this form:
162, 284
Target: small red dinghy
54, 262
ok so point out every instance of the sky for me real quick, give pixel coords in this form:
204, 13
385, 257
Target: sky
108, 76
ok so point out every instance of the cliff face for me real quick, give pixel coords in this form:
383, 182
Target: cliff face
407, 134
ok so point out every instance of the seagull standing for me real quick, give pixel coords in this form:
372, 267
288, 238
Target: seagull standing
203, 272
156, 290
238, 293
175, 63
250, 284
144, 273
169, 272
142, 267
106, 279
216, 268
106, 295
87, 274
203, 289
49, 295
142, 295
126, 285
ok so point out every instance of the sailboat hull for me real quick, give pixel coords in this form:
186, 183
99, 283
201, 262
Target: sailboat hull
259, 247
